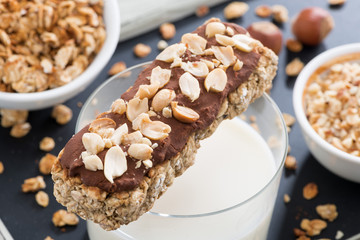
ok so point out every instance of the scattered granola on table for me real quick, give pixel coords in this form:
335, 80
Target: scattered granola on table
310, 191
33, 184
331, 101
62, 114
327, 211
46, 44
47, 144
62, 217
42, 198
1, 167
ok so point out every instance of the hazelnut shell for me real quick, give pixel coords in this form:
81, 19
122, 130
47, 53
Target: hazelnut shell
312, 25
268, 34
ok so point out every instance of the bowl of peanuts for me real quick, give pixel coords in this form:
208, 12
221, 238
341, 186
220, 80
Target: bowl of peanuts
326, 101
50, 52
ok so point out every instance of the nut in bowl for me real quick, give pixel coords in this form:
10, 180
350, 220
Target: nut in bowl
326, 104
58, 51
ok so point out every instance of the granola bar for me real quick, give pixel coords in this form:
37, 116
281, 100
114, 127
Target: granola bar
114, 169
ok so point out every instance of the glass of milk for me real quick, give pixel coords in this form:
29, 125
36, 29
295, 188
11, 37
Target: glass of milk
230, 191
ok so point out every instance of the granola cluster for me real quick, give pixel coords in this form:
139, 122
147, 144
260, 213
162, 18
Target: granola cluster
332, 106
45, 44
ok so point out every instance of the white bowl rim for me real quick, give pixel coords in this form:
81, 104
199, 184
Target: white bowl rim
99, 62
300, 84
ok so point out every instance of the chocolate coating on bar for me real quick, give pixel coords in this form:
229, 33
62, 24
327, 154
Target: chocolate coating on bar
207, 106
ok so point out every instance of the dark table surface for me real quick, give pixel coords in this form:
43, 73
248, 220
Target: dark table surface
26, 220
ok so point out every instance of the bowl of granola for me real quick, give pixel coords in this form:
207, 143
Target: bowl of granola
326, 101
50, 52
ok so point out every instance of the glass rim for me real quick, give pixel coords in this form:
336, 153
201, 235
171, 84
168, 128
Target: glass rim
277, 172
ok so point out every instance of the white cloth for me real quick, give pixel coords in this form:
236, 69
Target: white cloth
139, 16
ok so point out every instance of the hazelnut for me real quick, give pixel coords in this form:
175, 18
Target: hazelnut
312, 25
267, 33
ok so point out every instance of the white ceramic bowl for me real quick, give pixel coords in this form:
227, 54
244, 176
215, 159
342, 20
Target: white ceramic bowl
335, 160
40, 100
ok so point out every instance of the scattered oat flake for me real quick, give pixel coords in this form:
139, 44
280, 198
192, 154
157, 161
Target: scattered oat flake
263, 11
290, 162
294, 67
117, 67
310, 191
202, 11
1, 167
327, 211
287, 198
339, 235
62, 217
42, 198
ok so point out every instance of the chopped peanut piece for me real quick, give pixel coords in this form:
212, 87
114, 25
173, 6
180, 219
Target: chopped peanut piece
46, 163
294, 45
331, 102
1, 167
33, 184
62, 114
235, 10
141, 50
42, 198
20, 130
61, 218
310, 191
117, 67
290, 162
286, 198
294, 67
263, 11
336, 2
47, 144
280, 13
202, 11
48, 238
162, 45
167, 31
